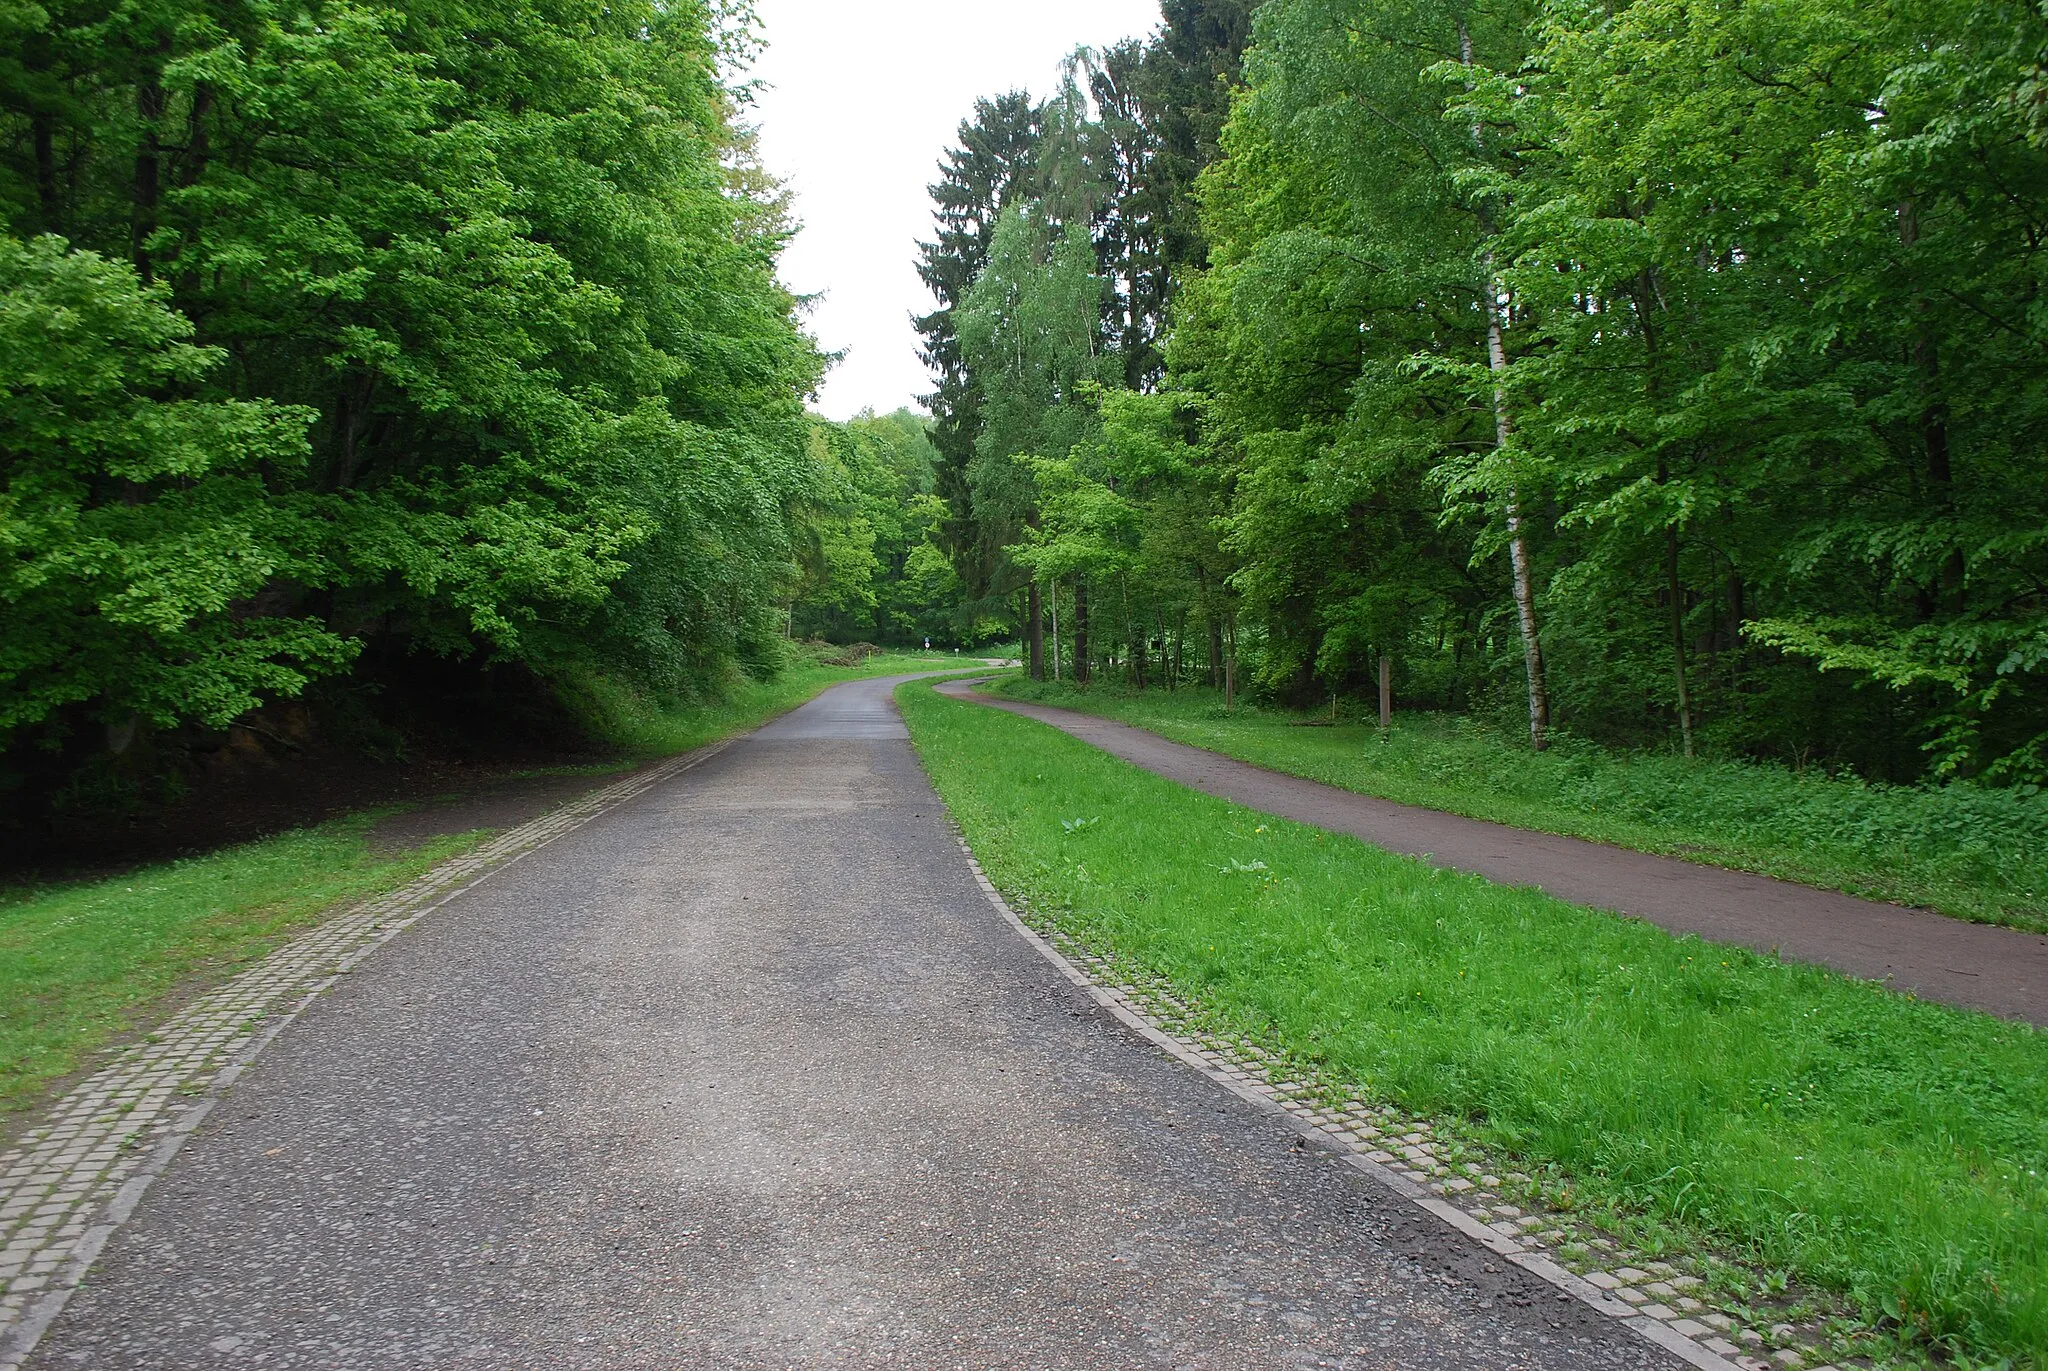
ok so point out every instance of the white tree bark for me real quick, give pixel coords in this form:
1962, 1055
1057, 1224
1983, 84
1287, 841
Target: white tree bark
1503, 429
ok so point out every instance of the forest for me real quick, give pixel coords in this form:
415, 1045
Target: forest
1624, 421
402, 369
1673, 374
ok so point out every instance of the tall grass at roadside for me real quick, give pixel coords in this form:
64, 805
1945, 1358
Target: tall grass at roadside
1886, 1148
1966, 850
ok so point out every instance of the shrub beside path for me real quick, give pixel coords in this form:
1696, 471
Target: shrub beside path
1918, 952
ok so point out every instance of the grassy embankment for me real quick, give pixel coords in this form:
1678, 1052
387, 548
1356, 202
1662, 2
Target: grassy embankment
1885, 1148
82, 964
1966, 850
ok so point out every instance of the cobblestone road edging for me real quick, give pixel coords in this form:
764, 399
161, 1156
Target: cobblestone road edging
1653, 1298
75, 1178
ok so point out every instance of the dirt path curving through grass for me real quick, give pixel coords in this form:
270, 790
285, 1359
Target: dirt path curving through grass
1975, 966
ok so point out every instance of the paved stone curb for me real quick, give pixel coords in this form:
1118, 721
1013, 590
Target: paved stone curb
74, 1179
1652, 1298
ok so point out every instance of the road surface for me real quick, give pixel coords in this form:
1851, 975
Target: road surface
748, 1073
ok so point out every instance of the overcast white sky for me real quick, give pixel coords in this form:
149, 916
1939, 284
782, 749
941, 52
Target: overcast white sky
861, 98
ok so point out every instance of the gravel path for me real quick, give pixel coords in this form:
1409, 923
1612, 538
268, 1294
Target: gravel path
747, 1072
1976, 966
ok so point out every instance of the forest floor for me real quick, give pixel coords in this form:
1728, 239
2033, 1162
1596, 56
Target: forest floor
1820, 1132
1963, 850
90, 960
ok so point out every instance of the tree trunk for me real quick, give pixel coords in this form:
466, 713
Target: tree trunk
36, 59
43, 131
348, 426
1646, 304
1940, 475
1677, 590
1933, 418
1081, 666
1055, 630
1503, 428
1518, 546
1034, 633
148, 185
1215, 652
149, 99
198, 136
1131, 639
1230, 662
1735, 610
1386, 691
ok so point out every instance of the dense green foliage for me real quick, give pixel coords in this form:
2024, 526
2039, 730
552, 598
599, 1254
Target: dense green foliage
135, 516
1679, 371
873, 569
1975, 852
1115, 152
1886, 1148
339, 335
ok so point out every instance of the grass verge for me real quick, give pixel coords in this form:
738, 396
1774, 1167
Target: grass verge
1884, 1148
1967, 851
84, 964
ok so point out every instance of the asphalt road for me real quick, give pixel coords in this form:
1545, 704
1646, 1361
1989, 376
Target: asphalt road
748, 1073
1976, 966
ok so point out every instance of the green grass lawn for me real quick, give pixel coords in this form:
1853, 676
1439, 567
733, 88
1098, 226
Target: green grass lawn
84, 964
1888, 1149
1968, 851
